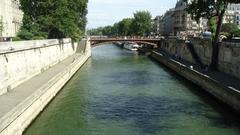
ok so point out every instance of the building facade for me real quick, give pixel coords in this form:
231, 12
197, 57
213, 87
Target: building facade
232, 14
168, 22
184, 25
157, 25
177, 22
10, 18
237, 19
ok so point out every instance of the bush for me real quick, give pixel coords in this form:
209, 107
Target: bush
25, 35
230, 30
229, 27
16, 39
237, 33
38, 38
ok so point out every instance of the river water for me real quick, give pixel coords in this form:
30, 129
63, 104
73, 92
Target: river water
118, 92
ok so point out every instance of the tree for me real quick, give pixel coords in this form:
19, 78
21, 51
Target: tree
54, 19
103, 31
1, 27
95, 32
142, 23
230, 29
210, 9
115, 29
237, 33
124, 27
107, 31
212, 25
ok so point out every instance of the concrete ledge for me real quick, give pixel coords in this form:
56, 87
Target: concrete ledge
17, 46
15, 121
22, 60
226, 94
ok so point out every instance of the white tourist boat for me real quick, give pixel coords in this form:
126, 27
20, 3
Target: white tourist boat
131, 46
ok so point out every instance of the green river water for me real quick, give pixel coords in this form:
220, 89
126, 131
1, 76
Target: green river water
118, 92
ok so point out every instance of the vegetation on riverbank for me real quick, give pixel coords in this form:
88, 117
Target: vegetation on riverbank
53, 19
139, 25
230, 30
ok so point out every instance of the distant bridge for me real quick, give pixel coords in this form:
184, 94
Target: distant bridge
147, 41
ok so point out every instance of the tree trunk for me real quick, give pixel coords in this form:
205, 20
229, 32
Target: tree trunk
215, 43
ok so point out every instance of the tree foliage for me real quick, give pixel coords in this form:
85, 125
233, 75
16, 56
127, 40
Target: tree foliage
210, 9
96, 32
1, 27
212, 25
108, 30
230, 30
54, 19
140, 25
124, 27
229, 27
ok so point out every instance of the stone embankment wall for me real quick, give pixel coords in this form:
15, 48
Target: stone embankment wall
27, 59
229, 53
22, 60
224, 93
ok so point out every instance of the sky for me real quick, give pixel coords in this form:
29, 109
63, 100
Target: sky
107, 12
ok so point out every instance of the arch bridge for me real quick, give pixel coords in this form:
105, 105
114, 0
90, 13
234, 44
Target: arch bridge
147, 41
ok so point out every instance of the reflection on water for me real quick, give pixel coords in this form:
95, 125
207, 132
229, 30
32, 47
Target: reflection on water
117, 92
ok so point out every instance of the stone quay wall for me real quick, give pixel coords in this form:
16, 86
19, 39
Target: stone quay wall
22, 60
226, 94
37, 56
229, 53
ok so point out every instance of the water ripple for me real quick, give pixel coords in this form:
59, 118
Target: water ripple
148, 113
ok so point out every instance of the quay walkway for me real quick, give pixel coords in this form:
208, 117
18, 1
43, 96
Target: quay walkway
23, 103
